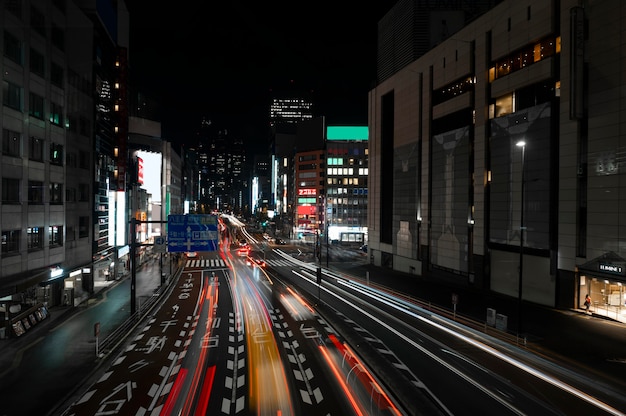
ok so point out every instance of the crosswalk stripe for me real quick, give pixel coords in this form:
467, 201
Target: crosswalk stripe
206, 264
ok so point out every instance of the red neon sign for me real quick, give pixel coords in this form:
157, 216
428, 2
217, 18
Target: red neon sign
140, 171
307, 191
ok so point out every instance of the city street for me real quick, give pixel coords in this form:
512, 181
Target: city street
50, 362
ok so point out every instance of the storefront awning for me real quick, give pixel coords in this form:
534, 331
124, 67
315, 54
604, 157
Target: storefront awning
609, 265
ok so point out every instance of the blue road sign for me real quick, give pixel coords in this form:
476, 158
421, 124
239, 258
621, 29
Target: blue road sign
192, 232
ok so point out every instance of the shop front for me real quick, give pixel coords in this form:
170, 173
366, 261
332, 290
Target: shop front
604, 280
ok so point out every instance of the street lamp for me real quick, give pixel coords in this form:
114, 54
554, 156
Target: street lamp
521, 144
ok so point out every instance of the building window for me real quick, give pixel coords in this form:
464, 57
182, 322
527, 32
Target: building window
70, 235
12, 95
37, 63
12, 48
10, 191
56, 154
56, 114
55, 235
35, 149
83, 159
56, 75
72, 123
84, 126
35, 192
70, 195
83, 227
58, 37
35, 105
37, 21
70, 160
11, 143
524, 57
56, 193
10, 242
34, 238
83, 192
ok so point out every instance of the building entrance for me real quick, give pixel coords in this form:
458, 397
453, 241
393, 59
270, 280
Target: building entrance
604, 279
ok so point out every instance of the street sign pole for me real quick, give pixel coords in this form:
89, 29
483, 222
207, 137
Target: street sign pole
133, 265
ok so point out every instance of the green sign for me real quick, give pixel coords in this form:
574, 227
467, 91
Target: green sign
359, 133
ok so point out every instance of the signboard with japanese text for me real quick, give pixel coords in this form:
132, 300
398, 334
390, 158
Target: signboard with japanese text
192, 232
307, 191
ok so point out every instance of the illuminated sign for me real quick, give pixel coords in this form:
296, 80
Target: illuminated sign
307, 191
307, 210
140, 171
611, 268
56, 272
347, 133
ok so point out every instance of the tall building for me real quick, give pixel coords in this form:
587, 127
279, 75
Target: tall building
221, 164
496, 157
291, 120
290, 106
261, 185
346, 183
413, 27
64, 122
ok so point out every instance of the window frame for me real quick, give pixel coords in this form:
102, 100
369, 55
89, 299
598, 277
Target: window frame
83, 226
36, 105
56, 159
13, 48
56, 193
12, 95
37, 63
11, 191
55, 235
56, 114
36, 148
35, 193
10, 242
11, 143
34, 239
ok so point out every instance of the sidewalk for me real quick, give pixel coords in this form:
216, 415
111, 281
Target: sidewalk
11, 345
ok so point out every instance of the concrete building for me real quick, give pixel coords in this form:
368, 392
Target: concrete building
453, 192
64, 127
346, 184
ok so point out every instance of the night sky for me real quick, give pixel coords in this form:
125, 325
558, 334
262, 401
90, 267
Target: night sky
220, 60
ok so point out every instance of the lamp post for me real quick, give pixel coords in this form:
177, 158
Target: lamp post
521, 144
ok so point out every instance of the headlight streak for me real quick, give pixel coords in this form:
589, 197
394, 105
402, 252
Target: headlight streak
364, 376
173, 395
346, 390
422, 349
530, 370
269, 392
296, 308
210, 296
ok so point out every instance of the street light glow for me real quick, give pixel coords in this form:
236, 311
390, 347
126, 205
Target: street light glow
521, 143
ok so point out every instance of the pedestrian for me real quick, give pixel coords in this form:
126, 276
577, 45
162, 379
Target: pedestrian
587, 303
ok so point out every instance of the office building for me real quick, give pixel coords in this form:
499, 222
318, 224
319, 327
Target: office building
346, 183
64, 126
496, 157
